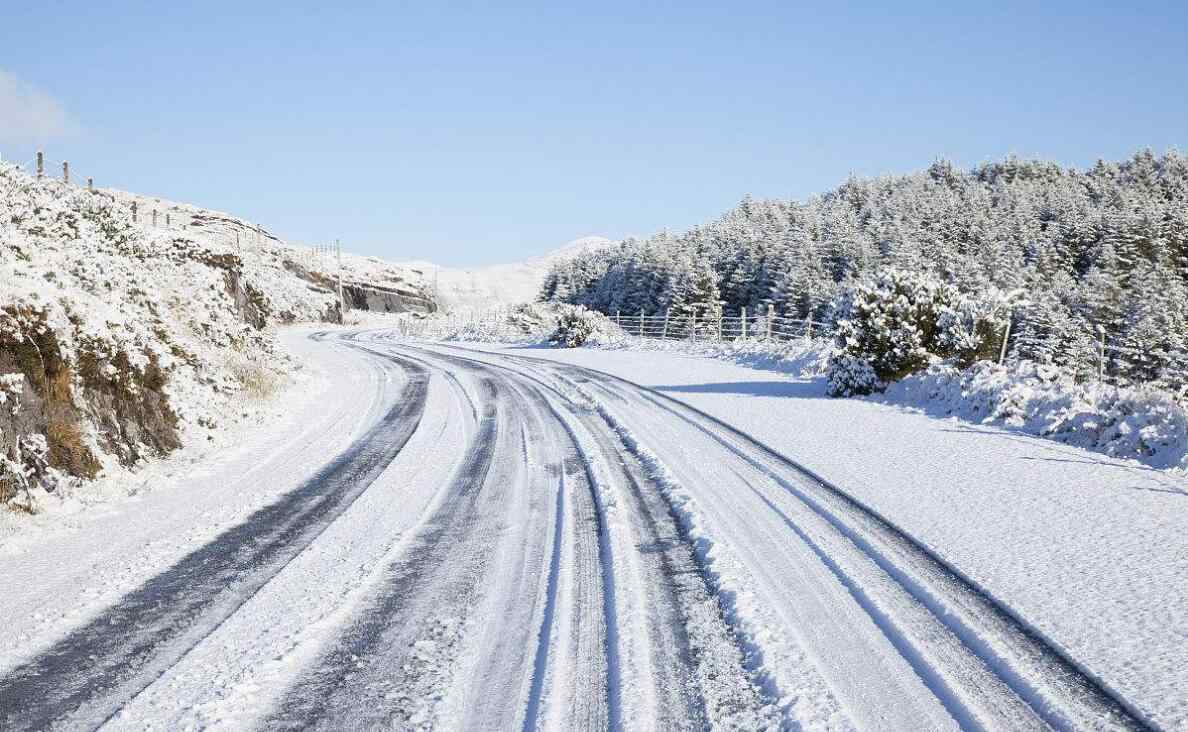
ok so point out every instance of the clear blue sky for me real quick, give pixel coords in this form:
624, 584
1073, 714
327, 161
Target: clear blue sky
470, 134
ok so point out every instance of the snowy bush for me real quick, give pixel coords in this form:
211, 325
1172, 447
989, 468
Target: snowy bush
577, 325
898, 322
1128, 422
25, 467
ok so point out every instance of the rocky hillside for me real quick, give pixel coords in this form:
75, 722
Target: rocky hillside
125, 333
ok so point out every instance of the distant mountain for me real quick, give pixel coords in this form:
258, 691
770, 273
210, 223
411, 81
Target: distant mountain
498, 284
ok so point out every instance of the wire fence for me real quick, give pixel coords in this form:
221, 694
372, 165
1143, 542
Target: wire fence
1106, 362
719, 326
501, 322
156, 216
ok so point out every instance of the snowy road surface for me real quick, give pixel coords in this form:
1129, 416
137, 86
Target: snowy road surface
450, 539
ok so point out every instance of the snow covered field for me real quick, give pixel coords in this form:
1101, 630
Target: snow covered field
445, 536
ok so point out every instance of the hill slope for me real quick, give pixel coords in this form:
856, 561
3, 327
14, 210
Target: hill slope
131, 325
499, 284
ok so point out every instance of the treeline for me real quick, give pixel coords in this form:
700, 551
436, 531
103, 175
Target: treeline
1077, 249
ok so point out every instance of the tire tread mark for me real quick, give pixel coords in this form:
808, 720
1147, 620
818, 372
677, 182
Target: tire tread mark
89, 675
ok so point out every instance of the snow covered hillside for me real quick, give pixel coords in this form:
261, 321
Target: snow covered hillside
499, 284
131, 325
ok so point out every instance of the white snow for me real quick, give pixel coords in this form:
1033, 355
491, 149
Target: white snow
114, 288
1089, 550
479, 288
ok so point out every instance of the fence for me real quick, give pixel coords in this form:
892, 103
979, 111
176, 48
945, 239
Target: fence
496, 323
1109, 363
235, 234
147, 216
718, 326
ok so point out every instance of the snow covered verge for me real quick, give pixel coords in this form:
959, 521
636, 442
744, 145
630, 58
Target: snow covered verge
121, 341
1140, 423
1087, 549
1144, 424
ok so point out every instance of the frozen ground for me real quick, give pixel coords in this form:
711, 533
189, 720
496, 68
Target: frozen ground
443, 537
1088, 550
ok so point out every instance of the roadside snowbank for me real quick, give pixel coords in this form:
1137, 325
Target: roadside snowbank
118, 489
1141, 424
1145, 425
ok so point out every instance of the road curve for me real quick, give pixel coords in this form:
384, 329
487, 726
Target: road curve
540, 546
87, 676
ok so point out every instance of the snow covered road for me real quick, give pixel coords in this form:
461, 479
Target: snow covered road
465, 540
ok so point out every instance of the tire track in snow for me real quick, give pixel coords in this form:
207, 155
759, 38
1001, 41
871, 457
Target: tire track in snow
86, 677
388, 666
570, 679
1058, 689
697, 663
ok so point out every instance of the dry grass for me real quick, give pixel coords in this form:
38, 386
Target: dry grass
68, 451
259, 382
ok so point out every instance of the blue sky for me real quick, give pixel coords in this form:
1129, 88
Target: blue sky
469, 134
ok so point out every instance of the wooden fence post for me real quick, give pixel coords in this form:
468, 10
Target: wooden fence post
341, 297
693, 326
770, 317
808, 327
166, 219
744, 324
618, 320
134, 212
721, 312
641, 323
1006, 337
664, 333
154, 218
1101, 360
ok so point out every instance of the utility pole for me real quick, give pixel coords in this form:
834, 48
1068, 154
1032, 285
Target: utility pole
341, 299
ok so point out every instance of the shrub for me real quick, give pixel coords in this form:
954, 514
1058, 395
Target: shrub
577, 325
899, 322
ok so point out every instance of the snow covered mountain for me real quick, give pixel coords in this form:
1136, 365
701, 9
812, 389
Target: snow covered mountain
497, 284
